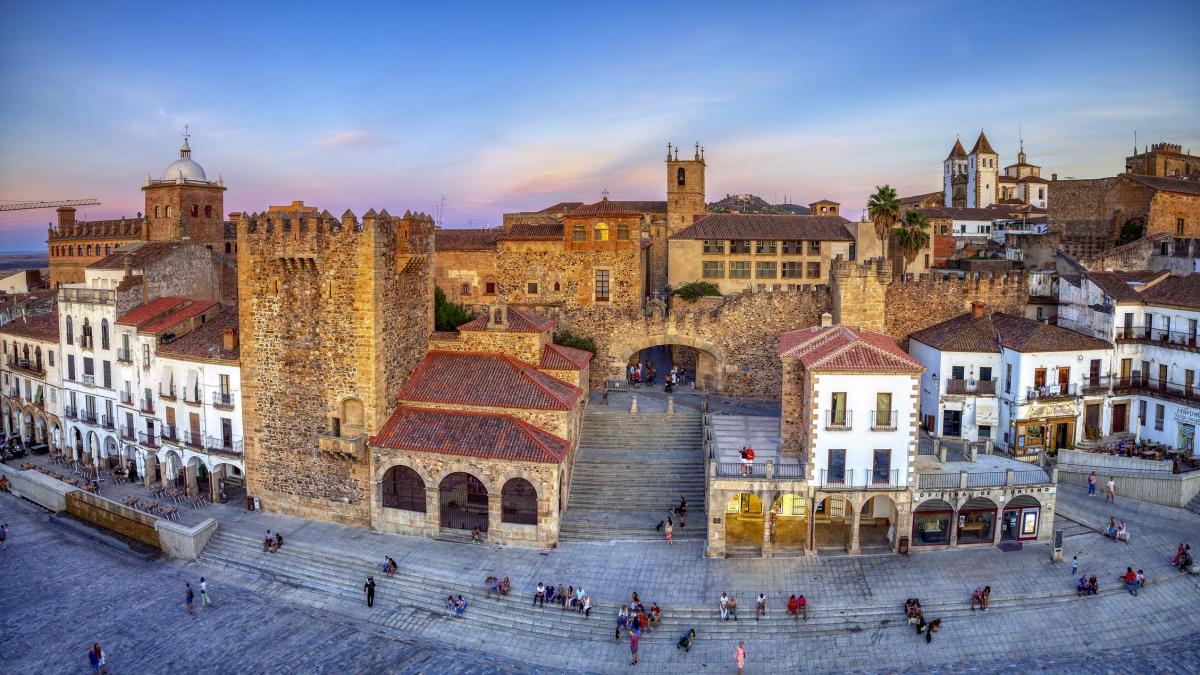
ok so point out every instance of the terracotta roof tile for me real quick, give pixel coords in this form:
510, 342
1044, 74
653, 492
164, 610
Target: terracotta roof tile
487, 380
532, 232
961, 334
519, 321
767, 226
149, 311
1175, 291
957, 150
561, 207
987, 334
207, 342
604, 207
140, 254
176, 317
42, 327
470, 434
1114, 286
477, 239
163, 313
845, 349
561, 357
982, 145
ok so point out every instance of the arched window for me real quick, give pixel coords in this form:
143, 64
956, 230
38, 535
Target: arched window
518, 502
681, 177
37, 355
622, 231
87, 333
70, 331
89, 250
104, 333
578, 233
557, 288
107, 249
208, 211
600, 232
79, 250
466, 289
403, 489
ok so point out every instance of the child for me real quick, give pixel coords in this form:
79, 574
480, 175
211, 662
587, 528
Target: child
1074, 565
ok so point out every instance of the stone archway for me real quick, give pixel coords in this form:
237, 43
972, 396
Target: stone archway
710, 362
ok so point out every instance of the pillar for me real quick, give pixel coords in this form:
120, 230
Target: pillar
952, 541
996, 528
854, 547
189, 480
214, 484
433, 510
810, 538
768, 544
148, 470
716, 523
494, 514
167, 470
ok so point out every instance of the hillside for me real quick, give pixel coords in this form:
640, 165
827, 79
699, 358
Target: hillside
748, 203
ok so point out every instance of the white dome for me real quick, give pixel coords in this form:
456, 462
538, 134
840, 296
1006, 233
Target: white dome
186, 169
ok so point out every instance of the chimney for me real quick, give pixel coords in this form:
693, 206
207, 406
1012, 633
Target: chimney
229, 339
978, 310
66, 216
1053, 176
826, 319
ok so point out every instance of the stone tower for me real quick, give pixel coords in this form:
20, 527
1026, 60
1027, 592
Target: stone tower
954, 170
334, 315
685, 202
860, 293
984, 174
185, 203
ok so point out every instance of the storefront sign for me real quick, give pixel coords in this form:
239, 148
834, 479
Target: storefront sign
1062, 409
1187, 415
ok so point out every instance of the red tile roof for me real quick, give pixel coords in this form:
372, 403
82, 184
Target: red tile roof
561, 207
561, 357
519, 321
767, 226
206, 342
144, 313
845, 349
1175, 291
982, 145
532, 232
987, 334
961, 334
42, 327
957, 150
486, 380
477, 239
470, 434
163, 313
140, 255
604, 207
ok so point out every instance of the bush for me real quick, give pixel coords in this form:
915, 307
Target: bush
1131, 230
448, 316
568, 339
694, 290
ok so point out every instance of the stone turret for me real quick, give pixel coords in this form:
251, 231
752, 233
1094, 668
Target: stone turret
859, 292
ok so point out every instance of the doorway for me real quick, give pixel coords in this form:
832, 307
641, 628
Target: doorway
952, 423
1120, 413
464, 502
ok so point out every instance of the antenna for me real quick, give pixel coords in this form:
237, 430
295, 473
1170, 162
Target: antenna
441, 209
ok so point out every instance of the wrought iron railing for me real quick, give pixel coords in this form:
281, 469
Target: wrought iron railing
838, 420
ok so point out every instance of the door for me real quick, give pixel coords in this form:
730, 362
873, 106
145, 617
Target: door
1039, 378
1162, 377
1126, 371
1187, 437
1091, 420
194, 429
1064, 380
1062, 434
169, 430
952, 423
1119, 412
1094, 373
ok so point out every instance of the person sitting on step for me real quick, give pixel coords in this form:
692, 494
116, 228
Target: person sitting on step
686, 639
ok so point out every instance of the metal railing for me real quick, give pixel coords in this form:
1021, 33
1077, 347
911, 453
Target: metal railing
233, 446
1095, 384
937, 481
87, 416
31, 366
222, 399
124, 355
790, 471
146, 406
843, 479
979, 387
167, 392
1050, 391
70, 412
886, 478
150, 440
734, 469
106, 421
1153, 385
883, 420
1163, 335
89, 379
193, 438
838, 420
1031, 477
127, 398
987, 479
925, 446
169, 433
192, 396
127, 433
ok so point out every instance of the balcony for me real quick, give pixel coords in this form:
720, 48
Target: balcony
14, 391
837, 420
169, 433
222, 400
962, 480
1186, 392
127, 398
124, 355
859, 479
29, 366
192, 397
88, 296
127, 433
146, 406
350, 446
88, 417
70, 412
227, 446
1051, 392
149, 439
166, 393
87, 343
89, 379
971, 387
193, 439
1095, 385
883, 420
1177, 339
106, 421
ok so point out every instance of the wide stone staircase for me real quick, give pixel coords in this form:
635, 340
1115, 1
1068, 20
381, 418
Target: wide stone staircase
1194, 504
630, 470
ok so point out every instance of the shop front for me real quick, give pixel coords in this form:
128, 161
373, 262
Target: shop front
976, 521
931, 523
1021, 519
1043, 427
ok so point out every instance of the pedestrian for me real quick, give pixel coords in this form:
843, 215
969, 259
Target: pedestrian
686, 639
539, 595
267, 542
4, 537
1110, 489
190, 597
976, 597
96, 659
1130, 580
635, 635
1074, 565
803, 603
1092, 485
986, 597
724, 606
760, 606
670, 529
460, 608
569, 599
369, 587
587, 605
622, 620
204, 599
739, 656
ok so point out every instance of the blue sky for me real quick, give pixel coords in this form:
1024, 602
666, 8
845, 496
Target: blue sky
508, 106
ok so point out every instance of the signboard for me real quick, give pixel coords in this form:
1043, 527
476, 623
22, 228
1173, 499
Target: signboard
1187, 415
1061, 409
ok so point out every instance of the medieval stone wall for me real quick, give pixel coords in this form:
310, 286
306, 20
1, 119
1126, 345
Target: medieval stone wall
1167, 208
524, 346
190, 271
566, 278
469, 271
910, 306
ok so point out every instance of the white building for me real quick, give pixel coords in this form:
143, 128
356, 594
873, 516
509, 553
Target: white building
87, 313
31, 381
1016, 381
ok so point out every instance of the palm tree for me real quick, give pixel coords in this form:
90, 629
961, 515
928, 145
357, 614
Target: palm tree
912, 236
884, 208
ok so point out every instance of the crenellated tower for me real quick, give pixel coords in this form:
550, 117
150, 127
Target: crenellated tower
860, 292
334, 315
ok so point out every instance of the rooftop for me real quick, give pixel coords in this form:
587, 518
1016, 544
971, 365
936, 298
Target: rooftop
518, 321
206, 342
475, 239
607, 207
846, 349
140, 254
767, 226
42, 327
163, 313
1166, 183
990, 332
472, 434
486, 380
561, 357
532, 232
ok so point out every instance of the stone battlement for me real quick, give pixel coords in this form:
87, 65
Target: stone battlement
123, 227
1014, 277
276, 234
875, 267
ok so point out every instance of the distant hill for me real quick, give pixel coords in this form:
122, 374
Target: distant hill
26, 260
748, 203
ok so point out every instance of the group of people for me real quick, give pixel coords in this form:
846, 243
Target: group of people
798, 606
679, 514
639, 374
501, 587
272, 544
190, 596
1117, 531
1110, 488
916, 617
635, 619
572, 599
1133, 580
1087, 585
1183, 557
388, 566
457, 606
981, 597
728, 607
747, 454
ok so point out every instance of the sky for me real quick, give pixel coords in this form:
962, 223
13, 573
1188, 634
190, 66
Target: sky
516, 106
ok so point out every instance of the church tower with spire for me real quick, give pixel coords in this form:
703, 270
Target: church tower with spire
185, 202
954, 176
983, 166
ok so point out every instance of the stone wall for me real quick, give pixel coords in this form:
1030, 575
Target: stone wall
1090, 213
454, 270
190, 271
1167, 208
913, 305
524, 346
565, 278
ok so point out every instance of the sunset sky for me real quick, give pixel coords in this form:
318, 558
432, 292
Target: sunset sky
513, 106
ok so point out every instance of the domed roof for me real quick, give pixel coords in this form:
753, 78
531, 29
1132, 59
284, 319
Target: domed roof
184, 167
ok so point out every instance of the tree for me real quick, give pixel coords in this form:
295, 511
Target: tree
884, 209
912, 236
448, 316
694, 290
1131, 230
568, 339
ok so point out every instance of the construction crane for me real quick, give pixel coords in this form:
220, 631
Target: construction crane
20, 206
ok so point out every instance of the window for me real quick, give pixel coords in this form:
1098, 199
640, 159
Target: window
557, 287
518, 502
228, 248
765, 269
168, 211
1142, 413
814, 248
814, 270
766, 247
713, 269
403, 489
107, 372
158, 212
70, 366
793, 247
837, 409
681, 177
602, 281
104, 333
883, 411
1160, 413
739, 246
793, 270
145, 356
1008, 378
714, 247
531, 287
50, 357
195, 210
985, 374
622, 231
739, 269
489, 288
600, 232
881, 467
578, 232
1179, 226
853, 251
70, 331
837, 467
208, 212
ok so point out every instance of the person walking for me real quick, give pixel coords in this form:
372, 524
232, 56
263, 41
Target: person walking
204, 599
1092, 485
369, 587
670, 529
739, 656
760, 606
189, 599
1110, 491
1074, 565
96, 659
635, 635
